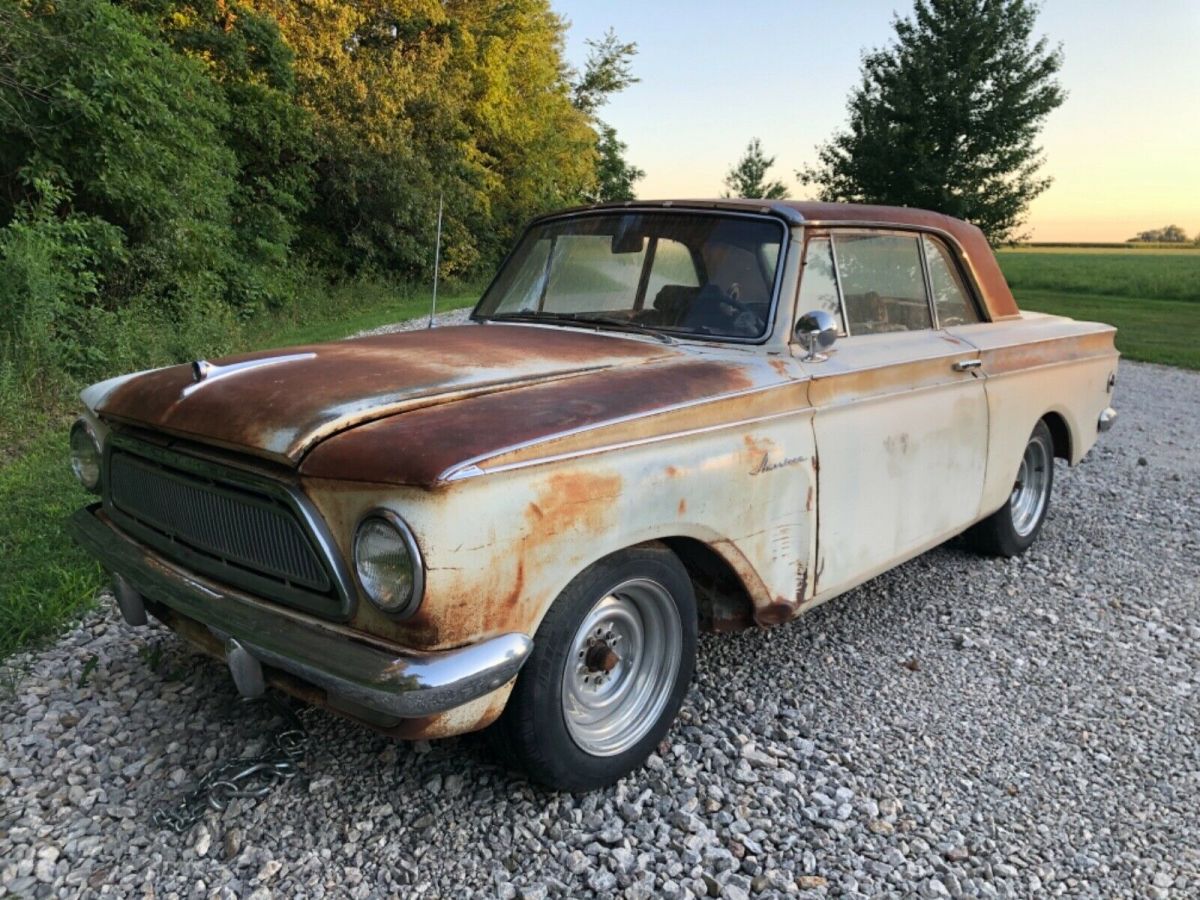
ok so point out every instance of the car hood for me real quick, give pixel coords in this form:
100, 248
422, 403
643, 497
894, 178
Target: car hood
279, 404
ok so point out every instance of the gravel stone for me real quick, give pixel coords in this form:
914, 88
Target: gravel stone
1045, 744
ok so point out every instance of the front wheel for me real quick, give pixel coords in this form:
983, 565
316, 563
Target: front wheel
611, 663
1015, 526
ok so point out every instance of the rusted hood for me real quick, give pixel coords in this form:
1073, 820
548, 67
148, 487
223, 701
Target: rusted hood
685, 389
279, 404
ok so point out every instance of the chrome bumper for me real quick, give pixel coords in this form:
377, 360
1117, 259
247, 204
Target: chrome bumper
1107, 419
346, 663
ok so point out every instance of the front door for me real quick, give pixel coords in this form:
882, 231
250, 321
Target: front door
901, 417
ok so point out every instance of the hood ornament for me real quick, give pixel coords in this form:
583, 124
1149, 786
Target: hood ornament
204, 372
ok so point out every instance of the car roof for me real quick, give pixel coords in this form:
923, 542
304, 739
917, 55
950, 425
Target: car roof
966, 240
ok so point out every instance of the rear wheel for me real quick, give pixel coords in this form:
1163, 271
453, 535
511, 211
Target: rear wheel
611, 663
1015, 526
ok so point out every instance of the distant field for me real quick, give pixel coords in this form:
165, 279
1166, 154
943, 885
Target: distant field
1152, 296
1161, 274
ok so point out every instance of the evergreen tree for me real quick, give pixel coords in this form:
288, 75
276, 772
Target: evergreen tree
947, 117
748, 177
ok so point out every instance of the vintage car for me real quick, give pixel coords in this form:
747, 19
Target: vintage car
663, 417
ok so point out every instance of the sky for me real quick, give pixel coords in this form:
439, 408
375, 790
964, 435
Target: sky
1123, 150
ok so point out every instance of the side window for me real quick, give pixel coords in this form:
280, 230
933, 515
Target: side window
950, 298
673, 265
818, 287
883, 284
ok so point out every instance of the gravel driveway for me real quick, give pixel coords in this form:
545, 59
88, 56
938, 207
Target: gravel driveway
958, 726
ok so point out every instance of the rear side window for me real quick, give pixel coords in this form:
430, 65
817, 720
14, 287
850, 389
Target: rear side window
818, 286
950, 298
883, 283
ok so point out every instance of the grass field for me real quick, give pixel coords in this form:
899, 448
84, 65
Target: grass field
1152, 296
45, 580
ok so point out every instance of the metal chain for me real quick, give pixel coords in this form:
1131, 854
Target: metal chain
245, 777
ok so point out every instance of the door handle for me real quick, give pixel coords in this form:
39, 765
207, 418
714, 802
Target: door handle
964, 365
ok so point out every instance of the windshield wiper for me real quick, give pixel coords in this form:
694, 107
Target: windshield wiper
585, 319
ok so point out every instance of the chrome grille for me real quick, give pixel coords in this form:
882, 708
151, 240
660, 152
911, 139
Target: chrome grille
224, 527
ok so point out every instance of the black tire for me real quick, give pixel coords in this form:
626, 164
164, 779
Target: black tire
534, 735
1001, 533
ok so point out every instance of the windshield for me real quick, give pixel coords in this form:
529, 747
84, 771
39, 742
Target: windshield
700, 274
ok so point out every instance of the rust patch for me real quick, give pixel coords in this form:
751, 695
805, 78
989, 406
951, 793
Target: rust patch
436, 438
518, 588
577, 499
682, 510
812, 495
758, 449
780, 366
672, 472
535, 512
275, 410
775, 613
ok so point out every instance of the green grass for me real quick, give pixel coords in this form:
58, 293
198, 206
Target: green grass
354, 307
1135, 275
1158, 331
45, 580
1151, 295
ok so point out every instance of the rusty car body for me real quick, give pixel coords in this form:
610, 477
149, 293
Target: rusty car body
516, 454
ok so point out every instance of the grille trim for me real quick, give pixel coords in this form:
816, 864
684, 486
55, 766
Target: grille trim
238, 527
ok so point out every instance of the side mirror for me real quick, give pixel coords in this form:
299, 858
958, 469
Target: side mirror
817, 330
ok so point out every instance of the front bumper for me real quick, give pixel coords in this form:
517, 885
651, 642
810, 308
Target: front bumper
347, 664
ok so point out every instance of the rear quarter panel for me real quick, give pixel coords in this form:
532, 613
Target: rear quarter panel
1035, 365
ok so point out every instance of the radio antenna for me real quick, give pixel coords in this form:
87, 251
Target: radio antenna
437, 261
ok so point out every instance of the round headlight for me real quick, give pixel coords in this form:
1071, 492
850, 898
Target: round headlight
388, 563
85, 455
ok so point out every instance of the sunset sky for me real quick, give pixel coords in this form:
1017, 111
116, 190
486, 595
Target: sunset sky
1124, 149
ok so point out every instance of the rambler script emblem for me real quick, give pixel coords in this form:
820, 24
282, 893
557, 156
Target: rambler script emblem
767, 466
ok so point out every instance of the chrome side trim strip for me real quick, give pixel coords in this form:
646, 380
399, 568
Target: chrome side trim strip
454, 472
474, 471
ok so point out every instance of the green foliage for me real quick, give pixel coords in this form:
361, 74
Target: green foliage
748, 178
615, 177
130, 133
947, 117
609, 70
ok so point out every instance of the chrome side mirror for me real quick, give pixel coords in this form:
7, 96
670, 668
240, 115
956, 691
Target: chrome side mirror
817, 330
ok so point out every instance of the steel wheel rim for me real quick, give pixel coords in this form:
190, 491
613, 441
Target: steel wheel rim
608, 710
1031, 488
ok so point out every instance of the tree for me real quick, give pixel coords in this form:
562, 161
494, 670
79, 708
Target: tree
747, 178
947, 117
1171, 234
615, 177
609, 70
